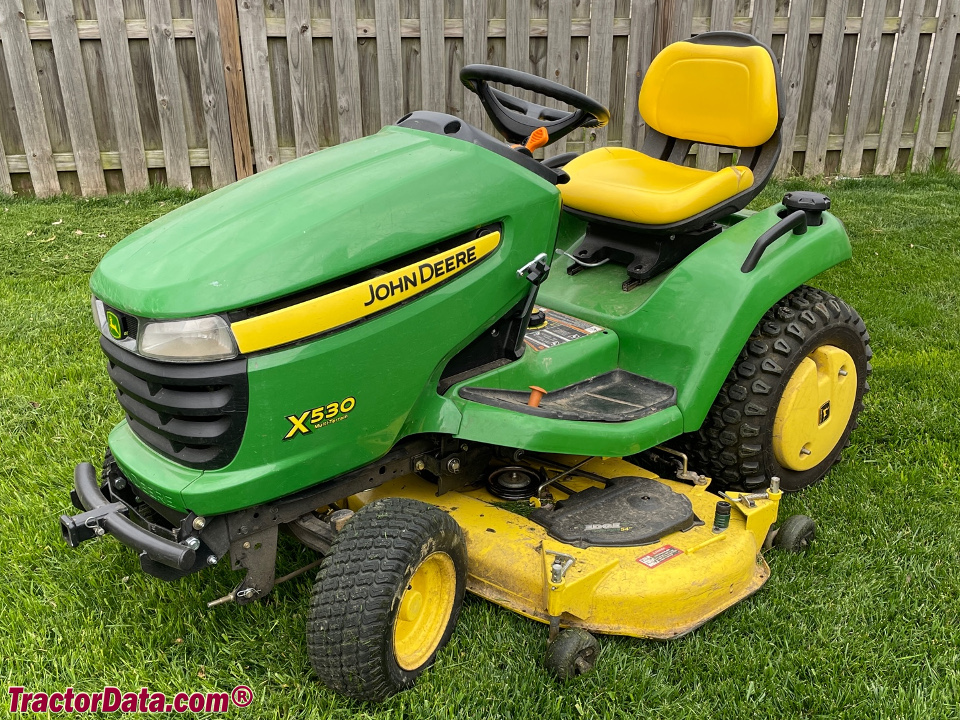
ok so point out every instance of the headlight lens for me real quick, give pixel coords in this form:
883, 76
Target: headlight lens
196, 340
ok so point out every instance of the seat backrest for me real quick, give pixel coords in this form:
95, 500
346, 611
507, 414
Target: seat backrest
719, 88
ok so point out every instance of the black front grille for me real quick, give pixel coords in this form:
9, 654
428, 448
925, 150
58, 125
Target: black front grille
192, 413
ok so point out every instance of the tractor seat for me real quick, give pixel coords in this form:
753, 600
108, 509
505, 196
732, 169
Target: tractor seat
627, 185
719, 88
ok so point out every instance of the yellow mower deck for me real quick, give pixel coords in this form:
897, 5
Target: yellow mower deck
658, 591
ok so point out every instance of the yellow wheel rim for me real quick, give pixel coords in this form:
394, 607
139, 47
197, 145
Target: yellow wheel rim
425, 609
815, 408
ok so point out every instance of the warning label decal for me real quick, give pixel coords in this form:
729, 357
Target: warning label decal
659, 556
558, 329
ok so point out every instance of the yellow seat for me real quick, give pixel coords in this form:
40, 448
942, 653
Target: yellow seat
719, 89
628, 185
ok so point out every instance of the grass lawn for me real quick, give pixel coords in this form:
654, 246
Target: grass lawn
866, 625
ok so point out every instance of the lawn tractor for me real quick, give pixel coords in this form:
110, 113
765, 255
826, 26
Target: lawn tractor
577, 387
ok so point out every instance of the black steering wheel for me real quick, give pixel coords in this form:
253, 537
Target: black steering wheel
516, 119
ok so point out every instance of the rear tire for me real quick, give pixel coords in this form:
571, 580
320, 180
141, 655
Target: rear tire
387, 598
736, 445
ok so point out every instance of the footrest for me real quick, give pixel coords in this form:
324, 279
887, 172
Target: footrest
616, 396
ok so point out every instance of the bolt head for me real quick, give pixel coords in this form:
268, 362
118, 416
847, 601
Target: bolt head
192, 543
199, 523
453, 465
419, 466
246, 546
120, 483
211, 559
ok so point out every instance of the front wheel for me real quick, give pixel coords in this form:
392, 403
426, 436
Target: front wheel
387, 598
790, 403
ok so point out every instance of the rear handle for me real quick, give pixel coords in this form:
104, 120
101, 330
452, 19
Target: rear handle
796, 221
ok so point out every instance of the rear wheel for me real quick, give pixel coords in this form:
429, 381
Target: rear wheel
790, 403
387, 598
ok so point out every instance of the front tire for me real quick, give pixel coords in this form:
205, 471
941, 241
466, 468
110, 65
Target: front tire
387, 598
790, 403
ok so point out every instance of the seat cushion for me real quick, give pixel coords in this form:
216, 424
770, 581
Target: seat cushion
627, 185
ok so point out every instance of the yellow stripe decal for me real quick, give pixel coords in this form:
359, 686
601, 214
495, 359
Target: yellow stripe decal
356, 302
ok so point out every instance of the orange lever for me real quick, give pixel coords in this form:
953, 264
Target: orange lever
536, 395
538, 138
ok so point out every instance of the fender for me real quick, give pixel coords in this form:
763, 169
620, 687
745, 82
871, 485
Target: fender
687, 327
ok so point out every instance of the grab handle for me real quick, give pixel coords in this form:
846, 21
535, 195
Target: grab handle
796, 221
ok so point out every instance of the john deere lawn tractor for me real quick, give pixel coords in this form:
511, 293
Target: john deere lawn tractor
578, 388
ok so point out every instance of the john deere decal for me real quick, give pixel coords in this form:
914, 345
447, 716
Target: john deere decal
114, 325
356, 302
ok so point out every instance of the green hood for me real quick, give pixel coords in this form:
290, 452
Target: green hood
317, 218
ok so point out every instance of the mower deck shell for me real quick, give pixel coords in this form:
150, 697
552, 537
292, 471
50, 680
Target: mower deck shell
658, 591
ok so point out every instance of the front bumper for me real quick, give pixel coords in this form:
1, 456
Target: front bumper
101, 515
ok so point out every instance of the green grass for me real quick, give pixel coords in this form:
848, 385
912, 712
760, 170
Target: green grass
865, 625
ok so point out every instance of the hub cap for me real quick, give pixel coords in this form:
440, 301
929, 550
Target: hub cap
425, 609
815, 408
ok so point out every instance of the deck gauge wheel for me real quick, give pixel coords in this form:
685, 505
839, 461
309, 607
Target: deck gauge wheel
572, 653
795, 534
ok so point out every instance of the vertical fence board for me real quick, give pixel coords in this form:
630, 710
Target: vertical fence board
557, 66
762, 22
643, 20
682, 27
26, 95
166, 75
953, 152
368, 70
598, 64
303, 84
346, 71
578, 60
618, 76
76, 98
917, 80
721, 18
518, 40
899, 88
864, 77
794, 52
214, 89
453, 62
474, 51
537, 51
389, 61
123, 99
431, 55
236, 90
936, 84
6, 188
878, 95
259, 87
825, 90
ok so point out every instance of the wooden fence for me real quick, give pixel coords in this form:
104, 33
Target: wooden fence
109, 95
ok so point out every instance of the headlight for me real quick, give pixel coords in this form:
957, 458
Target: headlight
197, 340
